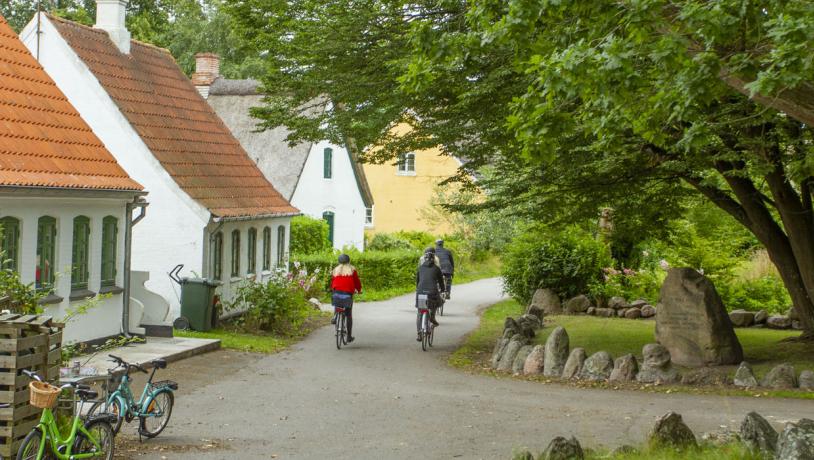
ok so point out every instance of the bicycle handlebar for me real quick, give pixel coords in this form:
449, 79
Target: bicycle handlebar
75, 385
127, 365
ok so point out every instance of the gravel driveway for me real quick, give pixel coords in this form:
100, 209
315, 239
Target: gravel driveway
383, 398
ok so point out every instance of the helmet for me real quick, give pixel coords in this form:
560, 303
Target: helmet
439, 242
344, 259
429, 251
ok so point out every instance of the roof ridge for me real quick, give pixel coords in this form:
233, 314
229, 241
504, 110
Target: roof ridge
101, 31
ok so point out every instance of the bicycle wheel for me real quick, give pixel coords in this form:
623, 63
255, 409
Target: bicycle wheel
102, 433
114, 408
424, 332
344, 328
441, 307
31, 447
161, 408
431, 334
340, 330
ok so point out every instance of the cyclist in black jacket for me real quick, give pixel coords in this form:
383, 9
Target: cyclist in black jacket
429, 281
447, 265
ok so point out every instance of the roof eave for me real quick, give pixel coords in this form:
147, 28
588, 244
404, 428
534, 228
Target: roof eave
254, 217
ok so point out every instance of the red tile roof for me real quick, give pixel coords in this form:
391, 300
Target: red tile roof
43, 140
179, 127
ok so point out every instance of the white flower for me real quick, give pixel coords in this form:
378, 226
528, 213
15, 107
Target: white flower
664, 264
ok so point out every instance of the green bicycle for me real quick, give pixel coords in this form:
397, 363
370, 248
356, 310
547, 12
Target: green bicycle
153, 408
91, 437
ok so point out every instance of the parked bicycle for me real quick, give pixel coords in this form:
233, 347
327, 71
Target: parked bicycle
89, 437
341, 327
427, 331
153, 408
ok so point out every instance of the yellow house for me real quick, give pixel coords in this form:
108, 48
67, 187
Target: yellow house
403, 191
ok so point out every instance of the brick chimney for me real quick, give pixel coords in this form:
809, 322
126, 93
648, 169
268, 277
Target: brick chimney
207, 70
110, 15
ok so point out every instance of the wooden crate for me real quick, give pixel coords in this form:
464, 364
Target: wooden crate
30, 342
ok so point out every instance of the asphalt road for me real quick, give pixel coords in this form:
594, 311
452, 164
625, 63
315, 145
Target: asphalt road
383, 398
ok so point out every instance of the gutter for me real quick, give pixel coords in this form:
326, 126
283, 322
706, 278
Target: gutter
255, 217
138, 202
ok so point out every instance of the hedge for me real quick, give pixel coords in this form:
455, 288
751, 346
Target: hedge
378, 270
309, 235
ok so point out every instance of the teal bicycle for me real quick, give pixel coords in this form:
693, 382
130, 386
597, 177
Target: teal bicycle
153, 408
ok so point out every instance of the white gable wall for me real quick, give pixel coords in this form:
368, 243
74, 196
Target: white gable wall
340, 194
172, 233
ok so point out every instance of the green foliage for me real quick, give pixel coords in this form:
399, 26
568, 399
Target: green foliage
388, 242
377, 270
16, 296
629, 284
765, 293
279, 305
568, 262
309, 235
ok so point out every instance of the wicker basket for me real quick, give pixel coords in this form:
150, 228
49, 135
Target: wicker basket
43, 395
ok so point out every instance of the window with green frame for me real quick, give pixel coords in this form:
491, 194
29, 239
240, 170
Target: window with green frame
10, 244
267, 248
235, 253
280, 245
327, 163
328, 217
251, 265
217, 256
110, 232
80, 252
46, 252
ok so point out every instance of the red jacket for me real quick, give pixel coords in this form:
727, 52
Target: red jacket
347, 283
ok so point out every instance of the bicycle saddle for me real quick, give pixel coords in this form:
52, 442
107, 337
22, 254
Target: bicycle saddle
160, 363
84, 395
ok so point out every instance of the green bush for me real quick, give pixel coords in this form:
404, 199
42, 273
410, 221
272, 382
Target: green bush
378, 270
309, 235
418, 240
767, 292
630, 284
16, 296
388, 242
280, 305
569, 262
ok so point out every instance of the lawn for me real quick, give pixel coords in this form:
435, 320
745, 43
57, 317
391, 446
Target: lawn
763, 348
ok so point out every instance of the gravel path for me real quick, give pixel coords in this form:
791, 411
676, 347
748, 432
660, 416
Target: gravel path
383, 398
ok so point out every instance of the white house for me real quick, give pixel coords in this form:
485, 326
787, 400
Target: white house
322, 179
211, 210
66, 205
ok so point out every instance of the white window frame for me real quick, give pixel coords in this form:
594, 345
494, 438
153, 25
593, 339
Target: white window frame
403, 167
369, 216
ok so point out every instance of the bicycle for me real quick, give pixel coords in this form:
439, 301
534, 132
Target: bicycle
341, 327
91, 437
427, 331
154, 405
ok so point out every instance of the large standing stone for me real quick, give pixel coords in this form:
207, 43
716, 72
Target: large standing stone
556, 352
597, 367
761, 316
546, 300
671, 431
563, 449
692, 321
806, 380
796, 442
648, 311
778, 322
744, 377
781, 377
514, 346
758, 435
657, 366
573, 366
578, 304
625, 369
742, 318
534, 361
520, 359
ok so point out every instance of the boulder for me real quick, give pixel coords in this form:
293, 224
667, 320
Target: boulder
796, 442
638, 303
624, 369
534, 361
623, 450
597, 367
744, 377
693, 323
797, 325
757, 434
781, 377
546, 300
621, 312
806, 380
720, 438
528, 324
556, 352
657, 366
500, 347
705, 376
671, 431
648, 311
536, 312
761, 316
606, 312
633, 313
742, 318
618, 302
509, 324
591, 311
520, 359
507, 359
778, 322
315, 303
563, 449
578, 304
573, 366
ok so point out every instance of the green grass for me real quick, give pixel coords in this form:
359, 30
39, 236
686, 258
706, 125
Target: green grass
763, 348
726, 452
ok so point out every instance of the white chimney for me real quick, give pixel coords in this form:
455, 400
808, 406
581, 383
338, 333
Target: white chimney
110, 15
207, 70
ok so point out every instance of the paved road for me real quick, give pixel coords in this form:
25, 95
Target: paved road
383, 398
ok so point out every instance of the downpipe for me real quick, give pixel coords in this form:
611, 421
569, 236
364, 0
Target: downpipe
130, 222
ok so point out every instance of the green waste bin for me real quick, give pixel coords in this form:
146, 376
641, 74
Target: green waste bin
197, 302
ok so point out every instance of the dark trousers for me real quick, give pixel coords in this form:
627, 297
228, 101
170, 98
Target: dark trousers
448, 282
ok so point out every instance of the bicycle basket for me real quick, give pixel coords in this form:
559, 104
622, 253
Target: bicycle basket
165, 384
422, 302
43, 395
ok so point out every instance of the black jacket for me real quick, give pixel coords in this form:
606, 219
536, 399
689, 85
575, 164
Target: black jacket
445, 257
429, 279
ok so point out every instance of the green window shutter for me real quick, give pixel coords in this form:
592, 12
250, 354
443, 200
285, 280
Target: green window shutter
327, 171
251, 266
267, 248
46, 252
235, 253
80, 252
110, 233
328, 216
217, 256
281, 245
10, 247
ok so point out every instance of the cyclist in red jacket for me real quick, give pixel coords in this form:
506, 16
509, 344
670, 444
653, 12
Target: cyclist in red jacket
344, 283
